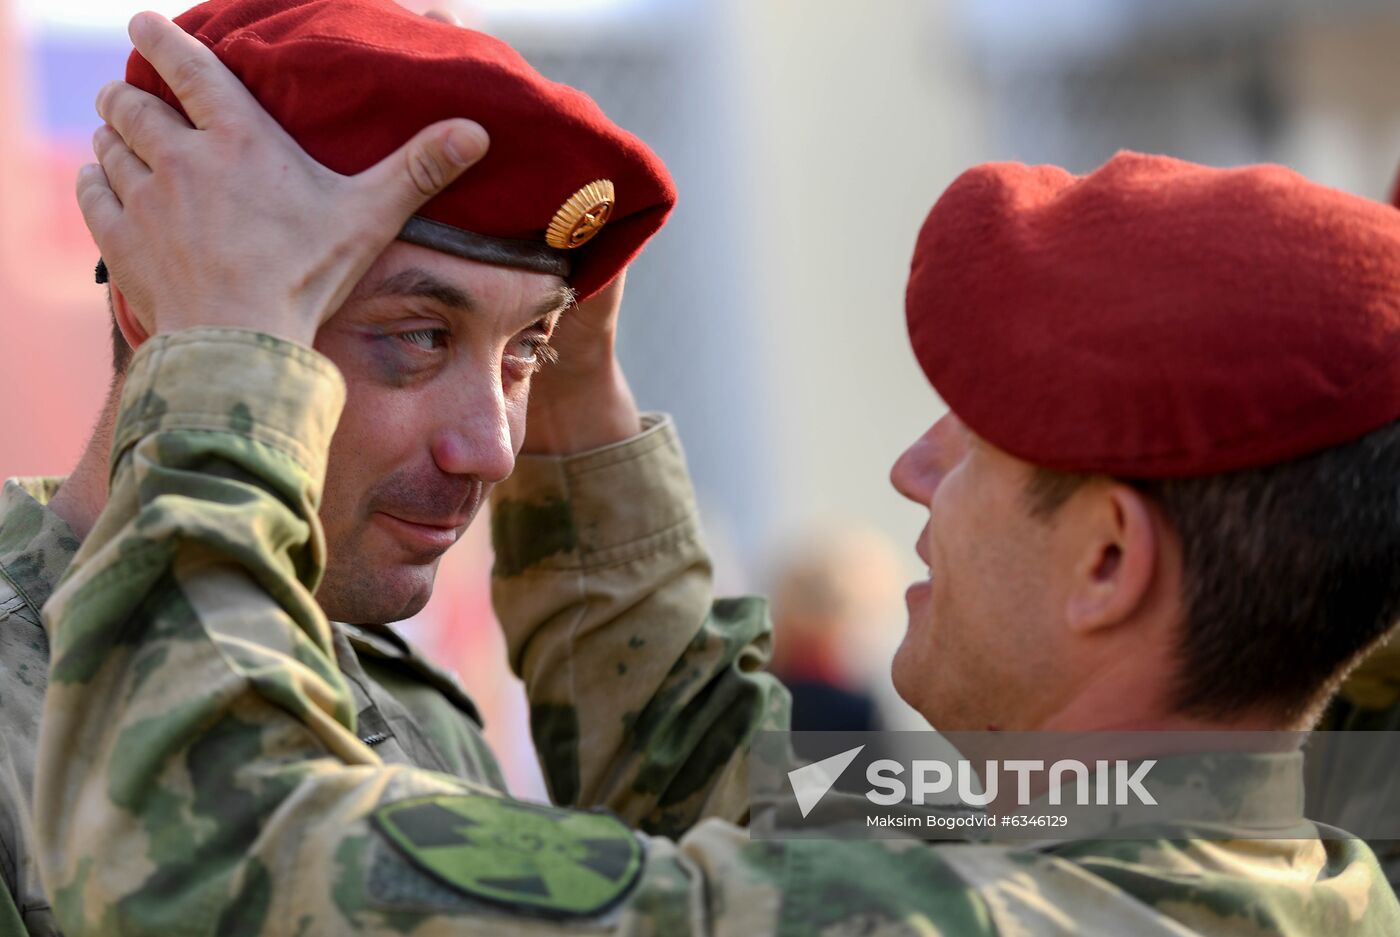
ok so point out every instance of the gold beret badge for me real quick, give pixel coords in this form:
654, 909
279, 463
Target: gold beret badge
582, 216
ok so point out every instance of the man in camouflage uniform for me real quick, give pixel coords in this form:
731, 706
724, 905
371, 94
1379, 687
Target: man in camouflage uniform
641, 699
198, 770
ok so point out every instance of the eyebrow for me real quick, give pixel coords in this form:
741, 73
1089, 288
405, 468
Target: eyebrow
415, 282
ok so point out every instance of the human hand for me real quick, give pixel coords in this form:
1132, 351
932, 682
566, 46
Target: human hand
582, 401
229, 222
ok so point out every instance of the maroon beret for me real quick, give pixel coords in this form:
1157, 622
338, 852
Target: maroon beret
353, 80
1156, 318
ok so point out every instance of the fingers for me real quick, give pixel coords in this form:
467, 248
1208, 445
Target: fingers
145, 123
423, 167
206, 89
100, 206
124, 169
444, 16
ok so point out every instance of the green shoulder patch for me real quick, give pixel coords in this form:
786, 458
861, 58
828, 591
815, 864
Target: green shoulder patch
529, 857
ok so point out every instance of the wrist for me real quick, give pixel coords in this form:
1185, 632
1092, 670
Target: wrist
242, 318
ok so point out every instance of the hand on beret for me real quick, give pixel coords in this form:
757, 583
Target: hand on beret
230, 222
583, 401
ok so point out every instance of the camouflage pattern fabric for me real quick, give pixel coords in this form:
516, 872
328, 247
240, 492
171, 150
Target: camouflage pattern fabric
600, 578
1369, 701
36, 547
199, 771
634, 502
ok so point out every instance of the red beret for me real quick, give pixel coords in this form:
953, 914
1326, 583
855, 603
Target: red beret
353, 80
1156, 318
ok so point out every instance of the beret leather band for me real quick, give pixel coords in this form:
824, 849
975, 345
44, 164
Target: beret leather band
525, 255
434, 235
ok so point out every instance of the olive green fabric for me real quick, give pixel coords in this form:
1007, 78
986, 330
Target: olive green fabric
36, 547
414, 712
199, 773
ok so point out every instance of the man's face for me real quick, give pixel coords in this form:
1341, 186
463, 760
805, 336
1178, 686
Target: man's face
437, 355
981, 644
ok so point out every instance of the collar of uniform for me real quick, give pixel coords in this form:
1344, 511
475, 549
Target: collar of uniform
1375, 683
1210, 795
386, 644
36, 545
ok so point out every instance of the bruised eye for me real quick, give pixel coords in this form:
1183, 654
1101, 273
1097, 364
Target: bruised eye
426, 339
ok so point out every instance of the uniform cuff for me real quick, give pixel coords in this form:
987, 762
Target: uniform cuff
237, 381
596, 508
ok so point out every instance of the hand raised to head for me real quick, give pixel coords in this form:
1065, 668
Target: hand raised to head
223, 219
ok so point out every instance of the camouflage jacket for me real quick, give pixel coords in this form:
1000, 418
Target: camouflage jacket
413, 710
199, 771
598, 558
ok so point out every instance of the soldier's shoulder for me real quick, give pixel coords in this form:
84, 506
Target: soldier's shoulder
1224, 886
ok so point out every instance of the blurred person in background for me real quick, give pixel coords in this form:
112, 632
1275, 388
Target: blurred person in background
831, 618
438, 345
1172, 461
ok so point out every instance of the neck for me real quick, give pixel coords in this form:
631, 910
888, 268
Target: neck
83, 494
1134, 690
1143, 704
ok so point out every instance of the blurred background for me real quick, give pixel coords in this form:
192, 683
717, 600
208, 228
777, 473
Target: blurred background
808, 139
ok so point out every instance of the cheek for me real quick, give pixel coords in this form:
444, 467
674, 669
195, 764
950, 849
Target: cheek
374, 437
949, 519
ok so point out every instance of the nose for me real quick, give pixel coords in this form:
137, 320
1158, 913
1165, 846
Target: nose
919, 469
474, 437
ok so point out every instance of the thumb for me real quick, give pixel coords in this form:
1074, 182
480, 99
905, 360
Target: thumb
404, 180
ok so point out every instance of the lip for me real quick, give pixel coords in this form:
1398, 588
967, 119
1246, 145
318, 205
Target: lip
431, 536
917, 591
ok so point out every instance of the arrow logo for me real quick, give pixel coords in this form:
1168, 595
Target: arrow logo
810, 784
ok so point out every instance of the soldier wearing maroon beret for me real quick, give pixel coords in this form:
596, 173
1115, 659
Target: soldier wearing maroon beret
441, 275
1167, 496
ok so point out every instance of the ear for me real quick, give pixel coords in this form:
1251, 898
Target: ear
1118, 553
132, 331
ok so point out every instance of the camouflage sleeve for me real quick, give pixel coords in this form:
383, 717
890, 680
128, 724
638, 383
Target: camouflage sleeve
198, 772
644, 691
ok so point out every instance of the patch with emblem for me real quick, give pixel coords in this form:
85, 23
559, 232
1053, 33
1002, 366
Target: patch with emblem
582, 216
558, 863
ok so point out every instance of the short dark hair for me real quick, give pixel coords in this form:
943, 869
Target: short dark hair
121, 351
1291, 572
